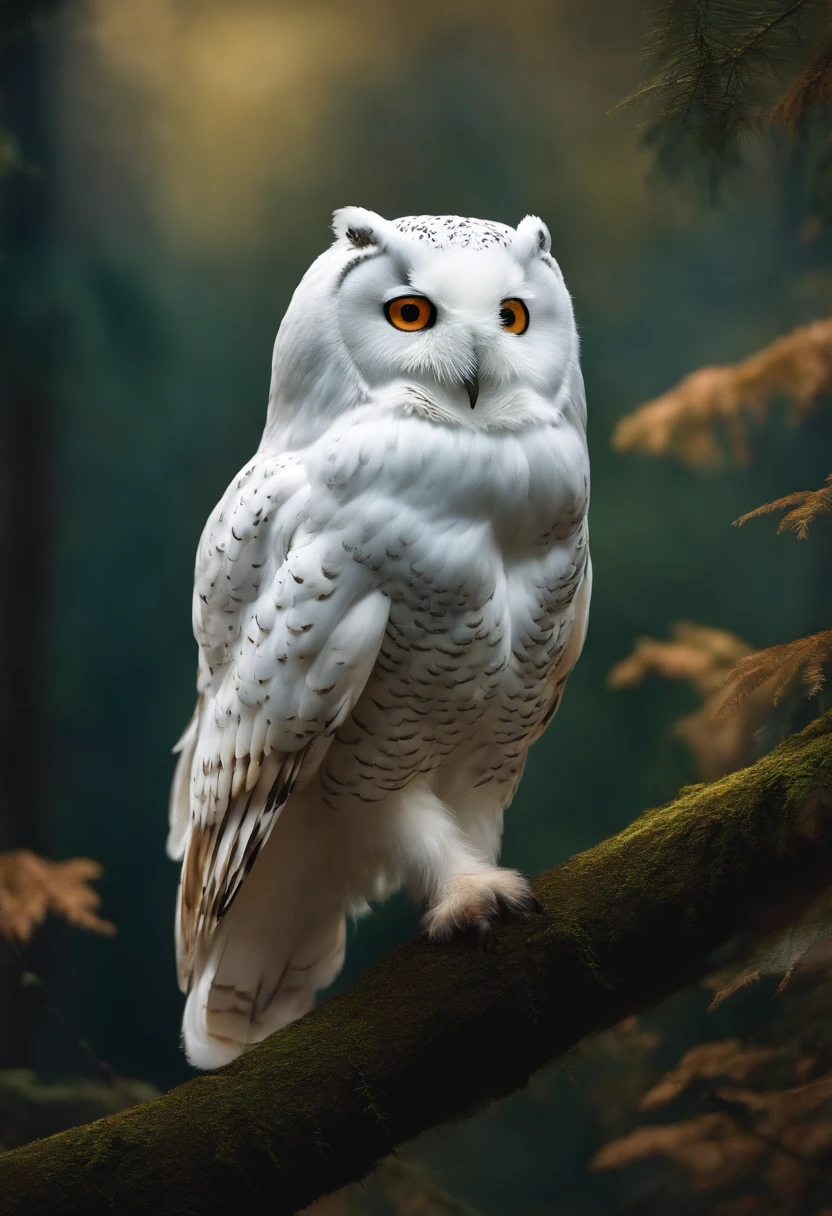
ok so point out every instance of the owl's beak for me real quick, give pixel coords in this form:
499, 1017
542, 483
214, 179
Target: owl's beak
472, 388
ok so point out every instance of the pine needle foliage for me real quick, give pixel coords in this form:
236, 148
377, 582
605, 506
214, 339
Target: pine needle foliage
695, 653
729, 1059
711, 409
31, 887
766, 1149
779, 667
811, 86
704, 658
722, 62
748, 1126
802, 508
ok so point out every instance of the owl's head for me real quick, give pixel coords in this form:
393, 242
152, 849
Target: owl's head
465, 321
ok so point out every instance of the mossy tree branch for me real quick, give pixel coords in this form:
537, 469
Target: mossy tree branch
432, 1033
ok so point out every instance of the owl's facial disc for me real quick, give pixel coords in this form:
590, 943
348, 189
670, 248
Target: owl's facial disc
412, 314
477, 337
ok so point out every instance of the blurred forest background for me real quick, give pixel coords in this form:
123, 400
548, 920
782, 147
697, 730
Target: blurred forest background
174, 168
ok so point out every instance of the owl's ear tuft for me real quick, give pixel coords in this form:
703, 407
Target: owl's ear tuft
361, 237
531, 239
361, 228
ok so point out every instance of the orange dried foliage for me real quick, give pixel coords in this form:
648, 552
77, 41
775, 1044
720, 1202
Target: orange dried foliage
727, 1058
780, 666
780, 1137
788, 1103
744, 978
803, 508
31, 887
777, 668
704, 657
708, 1147
688, 421
696, 653
811, 86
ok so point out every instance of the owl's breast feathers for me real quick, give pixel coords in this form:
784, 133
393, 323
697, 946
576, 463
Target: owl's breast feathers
396, 596
480, 543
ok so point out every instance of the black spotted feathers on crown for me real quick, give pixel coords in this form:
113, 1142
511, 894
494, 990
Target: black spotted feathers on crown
361, 238
454, 231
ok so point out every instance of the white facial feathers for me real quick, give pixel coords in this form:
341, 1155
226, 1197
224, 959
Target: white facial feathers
531, 239
360, 227
338, 348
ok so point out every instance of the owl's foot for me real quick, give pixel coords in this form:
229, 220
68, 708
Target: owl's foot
472, 901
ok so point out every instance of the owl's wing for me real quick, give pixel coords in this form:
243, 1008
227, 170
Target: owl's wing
539, 711
289, 628
571, 652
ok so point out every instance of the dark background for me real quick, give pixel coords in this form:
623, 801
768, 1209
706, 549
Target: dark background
181, 163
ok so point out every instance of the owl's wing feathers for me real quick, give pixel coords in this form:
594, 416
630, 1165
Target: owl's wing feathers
179, 802
289, 629
572, 650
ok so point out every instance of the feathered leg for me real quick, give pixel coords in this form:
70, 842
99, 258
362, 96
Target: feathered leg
453, 871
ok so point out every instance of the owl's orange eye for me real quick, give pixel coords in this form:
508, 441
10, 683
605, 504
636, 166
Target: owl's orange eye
514, 316
410, 313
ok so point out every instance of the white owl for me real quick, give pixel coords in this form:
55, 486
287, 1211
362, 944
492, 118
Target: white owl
389, 598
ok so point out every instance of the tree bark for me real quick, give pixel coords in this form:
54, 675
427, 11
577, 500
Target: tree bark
433, 1032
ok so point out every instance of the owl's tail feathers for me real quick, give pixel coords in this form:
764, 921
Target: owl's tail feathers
249, 987
281, 941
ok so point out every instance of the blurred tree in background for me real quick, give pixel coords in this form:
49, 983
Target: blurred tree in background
177, 163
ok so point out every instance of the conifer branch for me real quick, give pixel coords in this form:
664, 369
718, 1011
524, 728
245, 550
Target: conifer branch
779, 667
713, 407
802, 508
721, 63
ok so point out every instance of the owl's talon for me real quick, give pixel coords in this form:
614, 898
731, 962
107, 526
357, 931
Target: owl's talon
473, 899
537, 907
485, 935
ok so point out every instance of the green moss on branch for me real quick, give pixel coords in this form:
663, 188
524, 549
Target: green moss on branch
432, 1033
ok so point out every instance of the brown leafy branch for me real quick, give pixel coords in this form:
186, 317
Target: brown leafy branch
714, 406
738, 687
697, 654
31, 887
812, 86
728, 1058
802, 508
750, 1135
778, 668
703, 657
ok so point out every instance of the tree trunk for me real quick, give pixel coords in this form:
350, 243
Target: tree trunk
433, 1032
